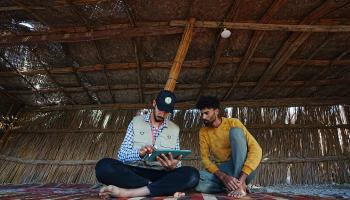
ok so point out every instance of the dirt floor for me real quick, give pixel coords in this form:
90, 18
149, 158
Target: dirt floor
83, 191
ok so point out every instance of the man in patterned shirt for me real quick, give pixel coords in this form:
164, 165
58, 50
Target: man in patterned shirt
130, 176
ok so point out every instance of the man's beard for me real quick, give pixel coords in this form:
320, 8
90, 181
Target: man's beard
157, 118
209, 123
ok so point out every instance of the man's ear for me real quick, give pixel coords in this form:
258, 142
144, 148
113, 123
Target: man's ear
217, 111
154, 103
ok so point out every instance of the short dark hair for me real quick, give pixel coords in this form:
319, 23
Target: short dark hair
208, 102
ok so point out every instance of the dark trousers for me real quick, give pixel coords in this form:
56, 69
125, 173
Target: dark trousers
159, 182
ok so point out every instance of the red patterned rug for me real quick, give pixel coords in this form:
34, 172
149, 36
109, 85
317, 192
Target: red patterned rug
85, 191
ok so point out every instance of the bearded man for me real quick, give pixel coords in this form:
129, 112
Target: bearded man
236, 152
130, 175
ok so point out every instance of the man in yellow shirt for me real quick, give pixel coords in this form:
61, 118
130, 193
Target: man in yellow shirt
236, 152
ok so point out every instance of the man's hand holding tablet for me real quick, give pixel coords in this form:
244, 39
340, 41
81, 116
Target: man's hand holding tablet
167, 152
169, 159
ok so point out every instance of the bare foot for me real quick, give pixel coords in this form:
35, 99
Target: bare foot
179, 194
239, 193
111, 191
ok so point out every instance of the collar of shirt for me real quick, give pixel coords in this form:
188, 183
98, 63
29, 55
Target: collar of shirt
147, 119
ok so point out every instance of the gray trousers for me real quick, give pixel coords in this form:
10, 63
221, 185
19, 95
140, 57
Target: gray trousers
209, 183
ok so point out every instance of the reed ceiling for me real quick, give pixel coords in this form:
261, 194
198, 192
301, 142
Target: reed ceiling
91, 52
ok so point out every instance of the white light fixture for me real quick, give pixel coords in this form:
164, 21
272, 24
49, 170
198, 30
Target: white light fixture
225, 33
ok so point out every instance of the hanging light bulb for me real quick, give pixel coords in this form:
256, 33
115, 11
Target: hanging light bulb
225, 33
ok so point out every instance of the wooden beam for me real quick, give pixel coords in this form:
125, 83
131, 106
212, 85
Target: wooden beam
195, 64
254, 42
138, 55
95, 45
78, 34
287, 50
137, 43
106, 76
191, 104
299, 68
74, 70
322, 72
266, 27
292, 44
219, 47
192, 86
180, 56
88, 28
95, 34
319, 74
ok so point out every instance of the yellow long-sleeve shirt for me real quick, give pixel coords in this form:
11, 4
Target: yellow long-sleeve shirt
217, 142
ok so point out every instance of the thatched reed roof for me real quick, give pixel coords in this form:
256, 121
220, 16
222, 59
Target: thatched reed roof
91, 52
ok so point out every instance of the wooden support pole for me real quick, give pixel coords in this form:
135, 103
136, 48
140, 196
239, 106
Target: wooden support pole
180, 56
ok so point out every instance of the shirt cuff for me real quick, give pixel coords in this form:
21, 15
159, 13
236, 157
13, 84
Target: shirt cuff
247, 170
179, 164
136, 154
213, 169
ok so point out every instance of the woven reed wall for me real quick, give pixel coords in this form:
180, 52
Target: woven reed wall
63, 147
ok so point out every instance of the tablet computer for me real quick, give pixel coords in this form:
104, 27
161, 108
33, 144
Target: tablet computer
174, 153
